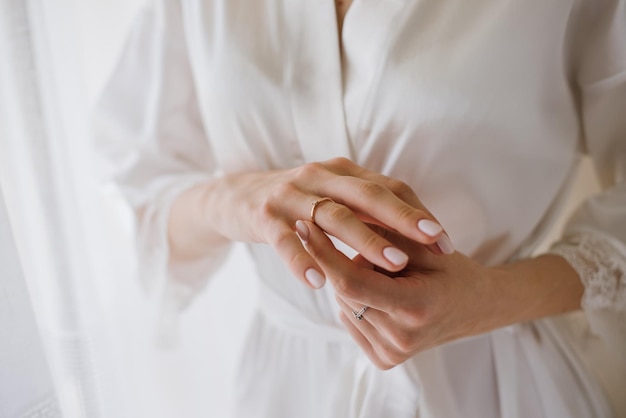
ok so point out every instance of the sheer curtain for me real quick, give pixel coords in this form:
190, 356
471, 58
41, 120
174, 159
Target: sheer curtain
88, 339
26, 388
46, 187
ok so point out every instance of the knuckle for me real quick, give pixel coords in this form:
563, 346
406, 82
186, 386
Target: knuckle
283, 190
406, 213
403, 340
394, 357
281, 239
340, 162
266, 210
299, 258
308, 171
402, 190
346, 287
379, 230
373, 241
413, 317
391, 358
339, 213
372, 190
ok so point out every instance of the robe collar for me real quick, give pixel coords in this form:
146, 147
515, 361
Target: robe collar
315, 73
315, 80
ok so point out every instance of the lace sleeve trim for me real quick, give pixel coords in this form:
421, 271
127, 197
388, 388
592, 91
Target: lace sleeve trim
601, 265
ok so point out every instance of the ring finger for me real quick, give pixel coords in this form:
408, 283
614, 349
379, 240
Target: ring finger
363, 342
380, 345
341, 222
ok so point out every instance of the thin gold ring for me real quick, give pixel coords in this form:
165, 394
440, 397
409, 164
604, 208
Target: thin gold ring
316, 204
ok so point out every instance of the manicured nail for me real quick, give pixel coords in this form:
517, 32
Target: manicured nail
302, 230
429, 227
315, 278
395, 256
445, 244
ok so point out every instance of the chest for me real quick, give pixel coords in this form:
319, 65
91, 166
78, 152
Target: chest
459, 102
276, 69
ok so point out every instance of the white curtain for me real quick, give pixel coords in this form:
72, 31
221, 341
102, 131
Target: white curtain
82, 340
26, 388
46, 188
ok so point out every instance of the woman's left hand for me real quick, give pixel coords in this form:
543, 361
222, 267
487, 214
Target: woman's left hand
433, 300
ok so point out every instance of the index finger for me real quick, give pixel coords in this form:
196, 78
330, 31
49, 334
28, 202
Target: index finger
387, 202
377, 204
351, 280
399, 188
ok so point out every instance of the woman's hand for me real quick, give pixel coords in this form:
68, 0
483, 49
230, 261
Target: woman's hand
431, 301
434, 300
264, 206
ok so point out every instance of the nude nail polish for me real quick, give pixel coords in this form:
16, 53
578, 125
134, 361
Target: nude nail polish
395, 256
315, 278
429, 227
445, 244
302, 230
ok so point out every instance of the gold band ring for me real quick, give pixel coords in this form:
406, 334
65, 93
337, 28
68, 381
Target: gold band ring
316, 204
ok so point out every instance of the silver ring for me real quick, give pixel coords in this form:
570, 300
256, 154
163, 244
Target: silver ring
359, 315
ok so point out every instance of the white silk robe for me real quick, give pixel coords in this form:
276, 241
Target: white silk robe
483, 107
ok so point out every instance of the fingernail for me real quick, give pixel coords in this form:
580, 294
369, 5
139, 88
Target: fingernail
445, 244
429, 227
302, 230
315, 278
395, 256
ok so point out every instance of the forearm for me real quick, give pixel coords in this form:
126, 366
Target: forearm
535, 288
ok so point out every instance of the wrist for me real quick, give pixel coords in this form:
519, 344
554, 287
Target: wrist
191, 231
534, 288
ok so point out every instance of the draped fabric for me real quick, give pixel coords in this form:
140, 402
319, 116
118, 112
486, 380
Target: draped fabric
50, 349
485, 110
77, 331
25, 380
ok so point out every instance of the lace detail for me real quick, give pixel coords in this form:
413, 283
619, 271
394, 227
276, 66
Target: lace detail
601, 265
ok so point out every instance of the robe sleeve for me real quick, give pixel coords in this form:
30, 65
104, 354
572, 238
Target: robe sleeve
594, 240
149, 130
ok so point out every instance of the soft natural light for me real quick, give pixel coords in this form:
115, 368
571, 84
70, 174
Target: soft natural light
82, 335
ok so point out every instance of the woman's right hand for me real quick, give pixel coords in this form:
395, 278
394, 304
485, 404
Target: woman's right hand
264, 207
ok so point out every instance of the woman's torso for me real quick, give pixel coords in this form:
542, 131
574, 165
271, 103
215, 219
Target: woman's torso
471, 105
